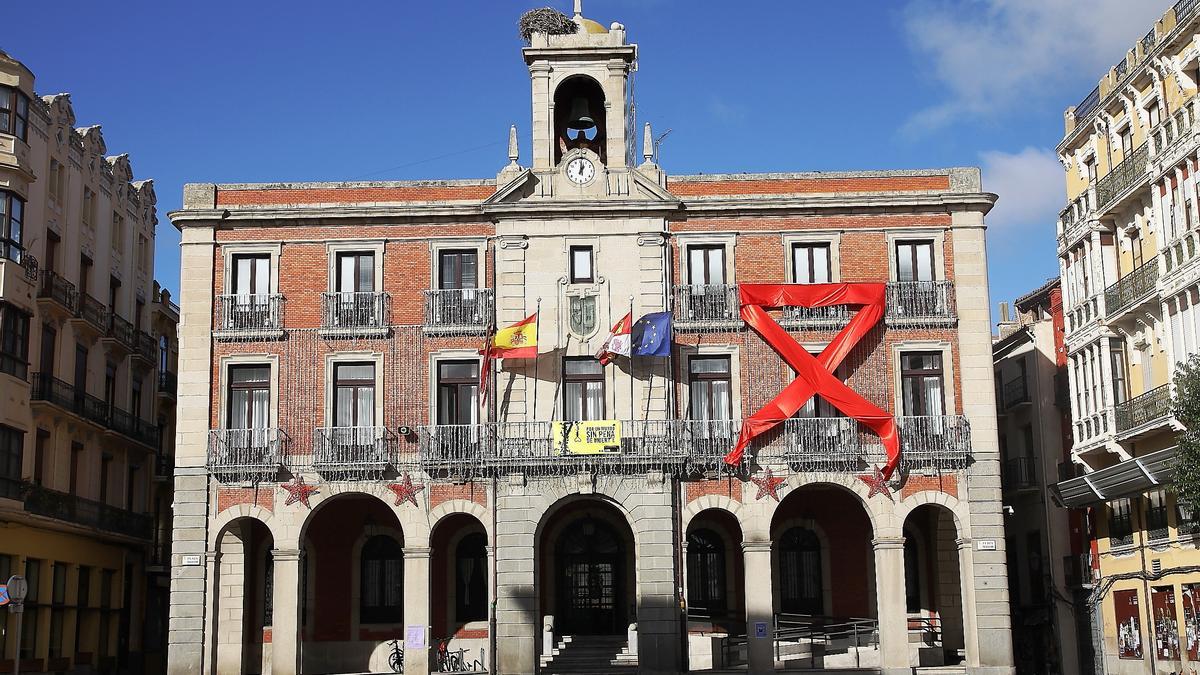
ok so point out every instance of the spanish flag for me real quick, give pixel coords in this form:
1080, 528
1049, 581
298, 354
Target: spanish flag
518, 341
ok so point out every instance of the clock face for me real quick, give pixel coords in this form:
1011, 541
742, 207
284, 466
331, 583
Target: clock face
580, 170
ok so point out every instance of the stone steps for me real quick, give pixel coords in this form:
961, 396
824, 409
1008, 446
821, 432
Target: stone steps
592, 654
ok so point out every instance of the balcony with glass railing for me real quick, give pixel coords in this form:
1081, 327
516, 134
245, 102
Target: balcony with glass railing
1144, 411
459, 310
242, 455
248, 316
362, 314
1131, 290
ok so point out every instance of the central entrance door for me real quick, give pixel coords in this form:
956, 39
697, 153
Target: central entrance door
590, 563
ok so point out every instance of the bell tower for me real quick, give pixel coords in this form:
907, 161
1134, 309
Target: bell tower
582, 93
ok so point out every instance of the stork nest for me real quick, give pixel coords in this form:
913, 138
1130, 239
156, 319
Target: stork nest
545, 20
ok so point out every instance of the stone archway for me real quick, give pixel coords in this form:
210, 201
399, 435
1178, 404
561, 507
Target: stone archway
460, 576
933, 586
242, 603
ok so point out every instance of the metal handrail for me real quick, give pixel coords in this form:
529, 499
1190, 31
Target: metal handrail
1015, 392
706, 305
1130, 170
99, 412
1143, 409
354, 311
245, 452
248, 313
459, 308
920, 302
352, 449
92, 311
58, 289
1132, 287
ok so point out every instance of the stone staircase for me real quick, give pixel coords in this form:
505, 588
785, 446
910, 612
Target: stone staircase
594, 654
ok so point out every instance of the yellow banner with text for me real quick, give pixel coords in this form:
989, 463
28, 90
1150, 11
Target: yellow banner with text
594, 437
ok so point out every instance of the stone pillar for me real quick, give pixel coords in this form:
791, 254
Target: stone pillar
416, 606
657, 598
893, 614
228, 607
970, 634
518, 616
285, 612
760, 605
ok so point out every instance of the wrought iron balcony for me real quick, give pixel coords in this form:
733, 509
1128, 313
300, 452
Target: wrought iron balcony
86, 512
1129, 289
164, 466
121, 330
459, 310
57, 289
168, 383
1184, 10
1129, 172
1142, 410
1015, 392
92, 312
145, 347
354, 313
920, 303
1087, 105
1020, 473
706, 442
835, 316
248, 316
245, 454
839, 444
826, 444
98, 412
700, 306
353, 450
940, 443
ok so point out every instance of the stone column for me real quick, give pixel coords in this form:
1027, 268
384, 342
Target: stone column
518, 616
285, 613
970, 634
893, 615
760, 605
416, 606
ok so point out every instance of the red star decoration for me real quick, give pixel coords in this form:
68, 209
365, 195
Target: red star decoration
877, 484
768, 485
406, 491
298, 491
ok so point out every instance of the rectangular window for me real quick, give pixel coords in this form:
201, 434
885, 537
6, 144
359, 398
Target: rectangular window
581, 265
14, 112
14, 341
1089, 170
11, 443
1156, 514
458, 392
356, 272
706, 265
810, 263
1120, 522
1154, 114
249, 397
118, 232
1126, 142
710, 386
1138, 249
914, 260
76, 465
52, 186
29, 636
354, 394
88, 215
583, 389
458, 269
921, 383
251, 275
41, 448
143, 253
105, 470
12, 220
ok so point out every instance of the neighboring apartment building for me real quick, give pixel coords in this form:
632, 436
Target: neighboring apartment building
1049, 568
344, 489
1128, 248
85, 333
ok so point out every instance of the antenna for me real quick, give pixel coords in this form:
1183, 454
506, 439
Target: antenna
658, 142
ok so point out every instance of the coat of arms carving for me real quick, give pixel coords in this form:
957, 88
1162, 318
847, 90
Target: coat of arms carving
582, 315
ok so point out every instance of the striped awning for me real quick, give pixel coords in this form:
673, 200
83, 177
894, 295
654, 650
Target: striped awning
1133, 476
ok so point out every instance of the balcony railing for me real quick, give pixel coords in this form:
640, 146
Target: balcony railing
458, 309
836, 444
1183, 10
92, 409
168, 382
1088, 104
815, 317
248, 314
146, 347
706, 442
1132, 287
920, 302
93, 312
1015, 392
1144, 409
121, 330
941, 443
354, 313
79, 511
245, 454
353, 450
707, 306
1131, 170
833, 444
1020, 473
59, 290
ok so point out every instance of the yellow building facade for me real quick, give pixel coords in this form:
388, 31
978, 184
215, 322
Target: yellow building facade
1128, 248
87, 354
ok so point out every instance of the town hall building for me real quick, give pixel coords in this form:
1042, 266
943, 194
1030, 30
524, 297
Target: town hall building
353, 494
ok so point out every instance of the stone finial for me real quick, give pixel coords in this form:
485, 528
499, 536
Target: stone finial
647, 143
578, 9
514, 152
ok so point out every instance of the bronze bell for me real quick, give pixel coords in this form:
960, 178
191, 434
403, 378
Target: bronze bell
580, 119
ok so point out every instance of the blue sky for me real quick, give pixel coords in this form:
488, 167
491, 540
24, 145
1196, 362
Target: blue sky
286, 91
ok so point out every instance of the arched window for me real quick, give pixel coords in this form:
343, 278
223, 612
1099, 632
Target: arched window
382, 581
800, 572
706, 572
470, 574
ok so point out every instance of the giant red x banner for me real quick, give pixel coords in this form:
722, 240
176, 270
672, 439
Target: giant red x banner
814, 375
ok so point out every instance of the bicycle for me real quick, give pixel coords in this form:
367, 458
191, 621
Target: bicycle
396, 658
456, 661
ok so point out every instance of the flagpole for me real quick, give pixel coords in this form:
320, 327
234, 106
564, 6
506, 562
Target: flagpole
537, 324
631, 377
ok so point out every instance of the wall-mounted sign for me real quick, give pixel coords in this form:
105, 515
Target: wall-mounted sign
191, 560
595, 437
414, 637
987, 544
760, 629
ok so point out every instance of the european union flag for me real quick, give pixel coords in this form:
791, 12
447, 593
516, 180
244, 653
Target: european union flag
651, 335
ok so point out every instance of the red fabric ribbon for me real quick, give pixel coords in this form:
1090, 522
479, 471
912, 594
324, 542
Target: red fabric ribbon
814, 375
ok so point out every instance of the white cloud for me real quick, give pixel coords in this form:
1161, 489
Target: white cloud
1030, 184
994, 54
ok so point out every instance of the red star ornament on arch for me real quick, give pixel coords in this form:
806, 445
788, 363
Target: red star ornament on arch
299, 491
406, 491
876, 484
768, 485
